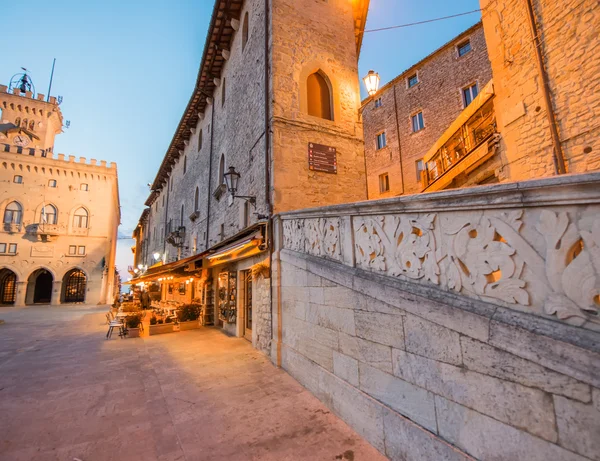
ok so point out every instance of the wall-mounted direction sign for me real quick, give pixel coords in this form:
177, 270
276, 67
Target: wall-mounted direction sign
322, 158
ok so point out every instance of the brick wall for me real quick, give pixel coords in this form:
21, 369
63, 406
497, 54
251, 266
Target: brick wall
569, 34
442, 75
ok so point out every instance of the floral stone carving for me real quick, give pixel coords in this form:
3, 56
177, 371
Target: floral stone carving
323, 237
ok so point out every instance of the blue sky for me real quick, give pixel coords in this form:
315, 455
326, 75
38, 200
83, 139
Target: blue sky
126, 70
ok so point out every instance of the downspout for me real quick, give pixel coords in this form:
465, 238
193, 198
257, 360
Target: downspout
559, 159
398, 135
166, 219
210, 156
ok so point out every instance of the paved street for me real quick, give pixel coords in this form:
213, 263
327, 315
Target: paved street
67, 393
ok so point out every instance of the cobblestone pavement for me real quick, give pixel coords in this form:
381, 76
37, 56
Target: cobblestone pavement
68, 394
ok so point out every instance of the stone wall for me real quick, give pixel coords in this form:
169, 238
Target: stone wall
568, 32
372, 322
442, 76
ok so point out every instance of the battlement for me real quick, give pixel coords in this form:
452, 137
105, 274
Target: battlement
40, 153
28, 95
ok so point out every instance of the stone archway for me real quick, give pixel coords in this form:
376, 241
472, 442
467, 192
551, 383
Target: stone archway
39, 287
74, 286
8, 287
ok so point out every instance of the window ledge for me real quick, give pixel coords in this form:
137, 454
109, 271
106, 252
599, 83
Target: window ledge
76, 256
9, 254
219, 191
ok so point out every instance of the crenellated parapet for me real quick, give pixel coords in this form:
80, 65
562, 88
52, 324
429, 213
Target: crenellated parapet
62, 158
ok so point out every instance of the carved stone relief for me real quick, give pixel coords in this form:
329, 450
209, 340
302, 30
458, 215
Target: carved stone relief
323, 237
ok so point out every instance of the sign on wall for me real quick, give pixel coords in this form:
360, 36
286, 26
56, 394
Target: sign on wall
322, 158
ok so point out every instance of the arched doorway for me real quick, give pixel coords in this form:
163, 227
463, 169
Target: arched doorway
74, 284
8, 286
41, 283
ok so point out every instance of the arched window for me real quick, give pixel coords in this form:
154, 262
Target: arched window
245, 31
48, 214
222, 170
80, 218
319, 96
181, 217
74, 284
24, 123
184, 164
223, 89
196, 197
200, 139
18, 121
32, 125
13, 213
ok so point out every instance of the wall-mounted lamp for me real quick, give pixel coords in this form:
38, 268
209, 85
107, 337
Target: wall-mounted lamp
156, 256
231, 179
372, 82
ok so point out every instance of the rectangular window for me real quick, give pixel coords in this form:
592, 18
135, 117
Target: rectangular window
464, 48
18, 179
81, 250
384, 183
378, 103
381, 141
72, 249
52, 183
420, 166
469, 93
2, 247
417, 122
413, 80
84, 187
12, 248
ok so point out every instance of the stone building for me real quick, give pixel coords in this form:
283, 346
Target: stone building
281, 112
60, 215
410, 113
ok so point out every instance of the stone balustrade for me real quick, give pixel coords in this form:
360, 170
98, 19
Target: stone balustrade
532, 246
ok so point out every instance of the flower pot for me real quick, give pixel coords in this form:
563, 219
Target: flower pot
161, 328
133, 332
189, 325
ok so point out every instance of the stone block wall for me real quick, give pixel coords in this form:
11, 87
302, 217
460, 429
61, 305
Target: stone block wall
442, 76
568, 32
423, 372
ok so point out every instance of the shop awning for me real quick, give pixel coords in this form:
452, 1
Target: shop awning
247, 243
486, 93
181, 268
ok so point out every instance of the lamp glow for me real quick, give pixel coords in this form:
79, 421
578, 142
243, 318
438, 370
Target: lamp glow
156, 256
372, 82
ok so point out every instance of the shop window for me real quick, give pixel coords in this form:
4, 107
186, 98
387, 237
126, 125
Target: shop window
245, 31
170, 288
319, 96
18, 179
227, 292
384, 183
181, 288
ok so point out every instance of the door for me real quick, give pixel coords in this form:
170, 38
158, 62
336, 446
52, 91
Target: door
248, 305
43, 288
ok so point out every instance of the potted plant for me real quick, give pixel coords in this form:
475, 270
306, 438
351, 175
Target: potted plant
133, 325
188, 316
158, 326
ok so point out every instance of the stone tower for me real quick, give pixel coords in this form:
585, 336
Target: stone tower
36, 121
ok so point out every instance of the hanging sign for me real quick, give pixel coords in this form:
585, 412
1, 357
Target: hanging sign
322, 158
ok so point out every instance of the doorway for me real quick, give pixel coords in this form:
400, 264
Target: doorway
42, 293
74, 283
248, 305
8, 286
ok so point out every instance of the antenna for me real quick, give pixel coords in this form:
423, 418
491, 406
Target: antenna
51, 76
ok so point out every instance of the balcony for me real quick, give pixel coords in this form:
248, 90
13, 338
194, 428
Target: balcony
45, 232
468, 143
11, 228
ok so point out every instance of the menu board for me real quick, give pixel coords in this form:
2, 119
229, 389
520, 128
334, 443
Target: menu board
322, 158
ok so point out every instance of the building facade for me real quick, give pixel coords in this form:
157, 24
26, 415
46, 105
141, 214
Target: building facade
60, 215
410, 113
283, 114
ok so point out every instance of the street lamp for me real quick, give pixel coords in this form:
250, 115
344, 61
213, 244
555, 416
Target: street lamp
372, 82
231, 180
140, 266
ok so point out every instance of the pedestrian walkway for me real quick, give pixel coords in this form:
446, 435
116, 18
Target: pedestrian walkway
67, 393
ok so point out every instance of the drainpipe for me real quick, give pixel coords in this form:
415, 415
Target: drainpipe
166, 219
398, 135
559, 160
210, 156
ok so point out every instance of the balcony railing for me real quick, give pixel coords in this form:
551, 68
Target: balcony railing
11, 227
45, 229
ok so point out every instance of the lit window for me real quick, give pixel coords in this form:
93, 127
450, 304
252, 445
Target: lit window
384, 183
18, 179
378, 103
12, 248
80, 250
319, 96
84, 187
72, 249
48, 215
464, 48
381, 141
413, 80
80, 218
52, 183
469, 93
13, 213
417, 122
419, 166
